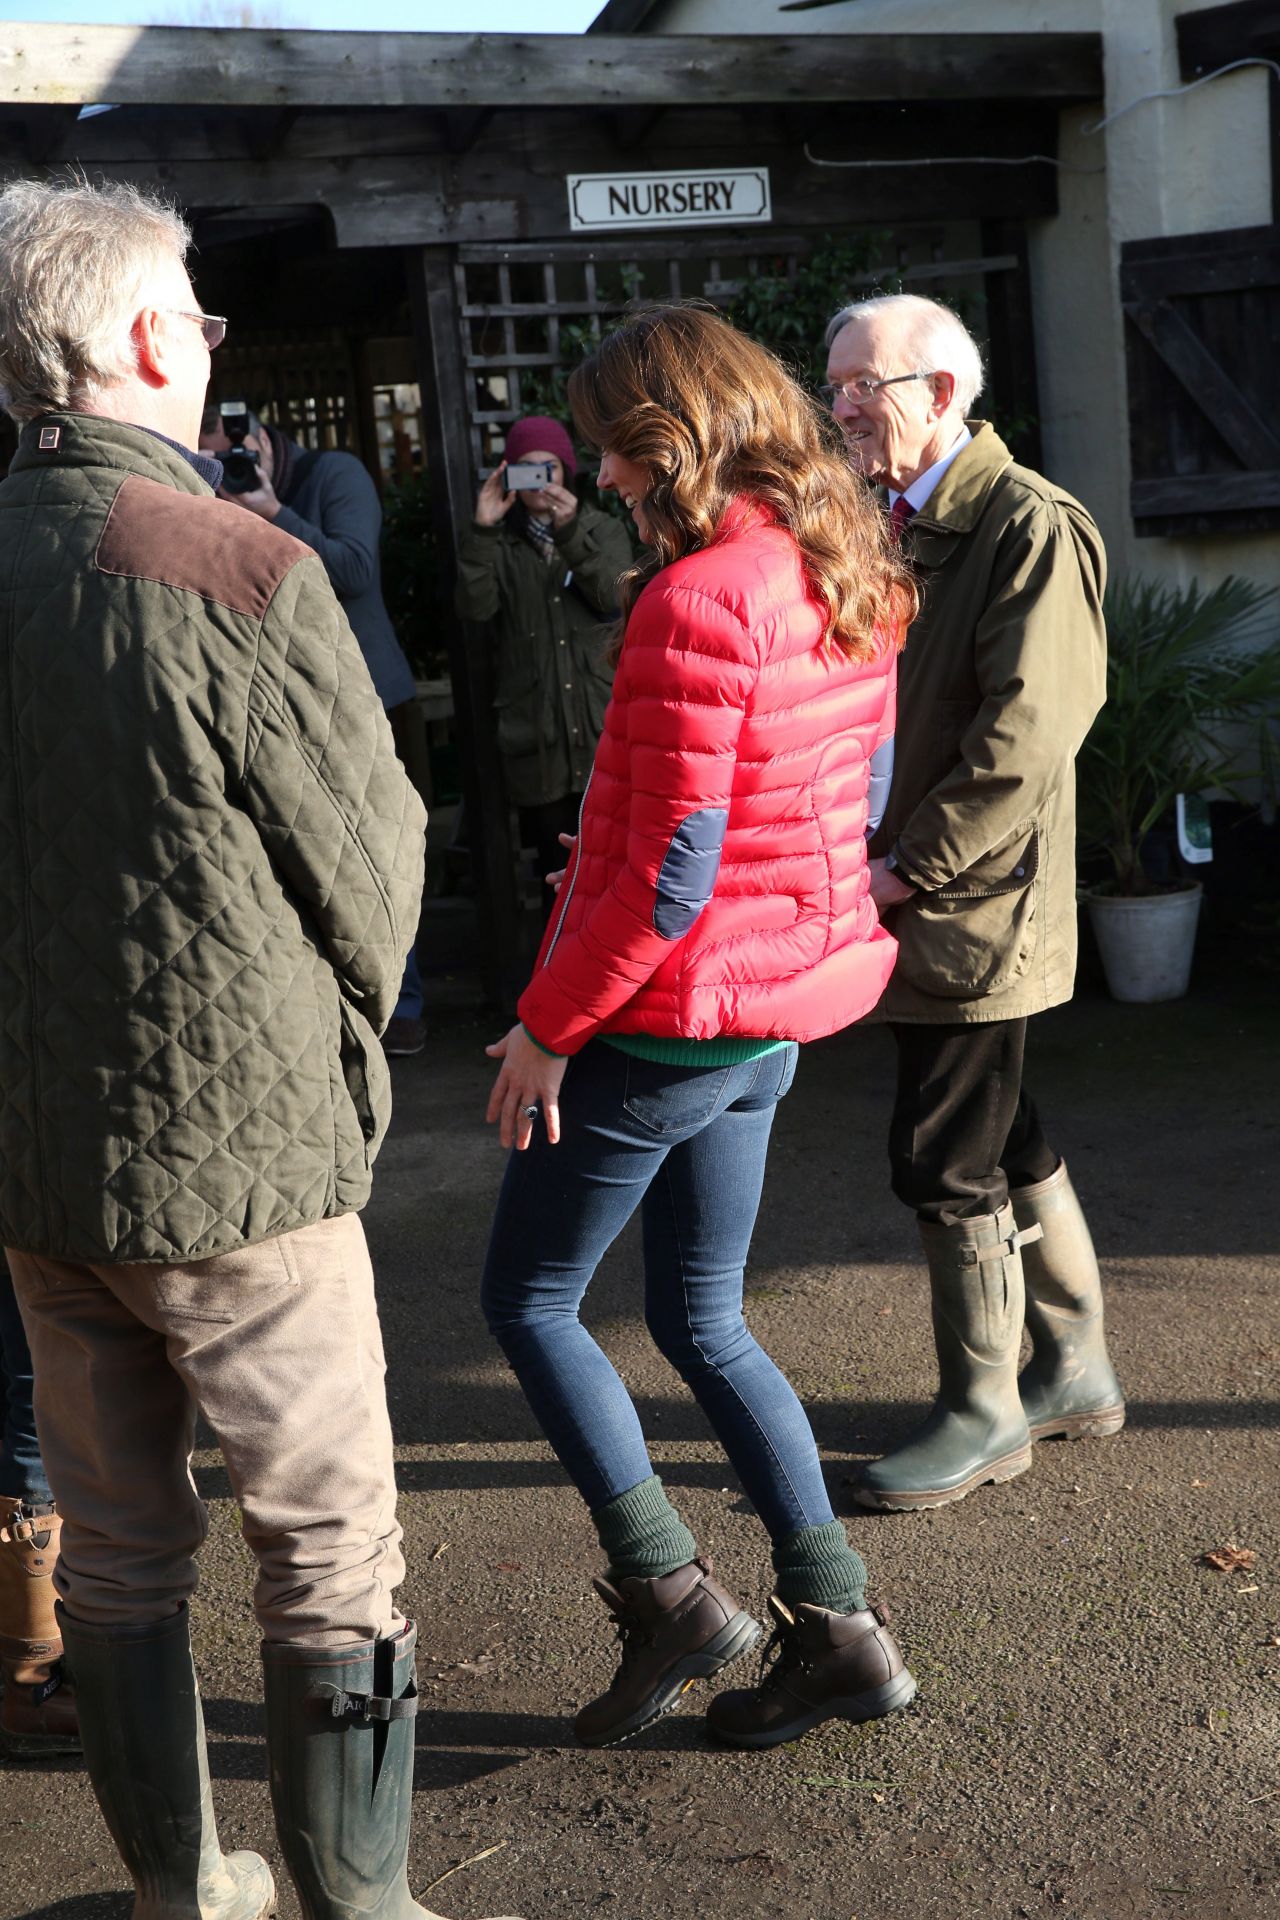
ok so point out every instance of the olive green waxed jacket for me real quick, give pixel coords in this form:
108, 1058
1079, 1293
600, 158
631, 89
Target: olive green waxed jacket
550, 628
210, 864
999, 683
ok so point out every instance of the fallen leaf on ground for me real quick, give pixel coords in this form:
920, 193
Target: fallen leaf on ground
509, 1566
1230, 1559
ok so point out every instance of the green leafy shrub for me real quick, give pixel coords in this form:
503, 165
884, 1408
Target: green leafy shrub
1193, 701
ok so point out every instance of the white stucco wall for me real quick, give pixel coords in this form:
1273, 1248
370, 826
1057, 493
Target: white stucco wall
1195, 163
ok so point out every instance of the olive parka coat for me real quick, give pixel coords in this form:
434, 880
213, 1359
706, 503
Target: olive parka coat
551, 640
1002, 675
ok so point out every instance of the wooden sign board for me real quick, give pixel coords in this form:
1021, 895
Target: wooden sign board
705, 197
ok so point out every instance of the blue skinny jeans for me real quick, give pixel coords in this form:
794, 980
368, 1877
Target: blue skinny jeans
686, 1145
22, 1474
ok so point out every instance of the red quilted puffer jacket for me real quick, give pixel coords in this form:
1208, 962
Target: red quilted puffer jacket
719, 883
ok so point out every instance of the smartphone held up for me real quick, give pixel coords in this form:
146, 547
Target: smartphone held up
527, 476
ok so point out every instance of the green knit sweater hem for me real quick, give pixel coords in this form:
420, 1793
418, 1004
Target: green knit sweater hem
728, 1050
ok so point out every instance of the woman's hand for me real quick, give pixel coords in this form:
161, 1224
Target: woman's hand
528, 1078
562, 504
556, 880
887, 889
493, 502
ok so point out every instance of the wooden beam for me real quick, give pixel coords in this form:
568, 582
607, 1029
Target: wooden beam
633, 125
1205, 493
463, 127
43, 132
59, 64
510, 194
1187, 263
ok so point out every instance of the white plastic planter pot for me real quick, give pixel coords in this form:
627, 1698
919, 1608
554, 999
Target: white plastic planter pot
1146, 944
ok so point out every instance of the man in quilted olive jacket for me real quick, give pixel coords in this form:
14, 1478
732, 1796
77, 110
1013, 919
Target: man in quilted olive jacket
211, 863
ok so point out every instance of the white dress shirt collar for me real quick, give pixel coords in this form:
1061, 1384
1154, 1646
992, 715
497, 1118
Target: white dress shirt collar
919, 490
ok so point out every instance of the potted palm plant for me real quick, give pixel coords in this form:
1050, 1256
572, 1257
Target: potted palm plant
1193, 698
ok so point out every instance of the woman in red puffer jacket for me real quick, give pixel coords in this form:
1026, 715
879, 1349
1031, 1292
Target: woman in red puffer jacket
714, 912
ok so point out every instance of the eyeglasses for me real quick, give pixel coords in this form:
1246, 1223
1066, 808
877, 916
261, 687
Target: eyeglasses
855, 391
212, 325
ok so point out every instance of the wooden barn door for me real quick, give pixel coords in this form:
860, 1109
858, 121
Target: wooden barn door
1202, 315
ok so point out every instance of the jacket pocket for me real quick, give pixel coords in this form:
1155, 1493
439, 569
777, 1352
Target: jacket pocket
526, 720
980, 933
365, 1076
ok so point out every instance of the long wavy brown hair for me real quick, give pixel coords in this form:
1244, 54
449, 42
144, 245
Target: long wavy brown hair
712, 415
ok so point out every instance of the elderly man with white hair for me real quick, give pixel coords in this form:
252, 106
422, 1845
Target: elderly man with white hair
974, 870
210, 871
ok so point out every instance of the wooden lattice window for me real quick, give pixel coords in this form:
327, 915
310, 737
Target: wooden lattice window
525, 310
302, 382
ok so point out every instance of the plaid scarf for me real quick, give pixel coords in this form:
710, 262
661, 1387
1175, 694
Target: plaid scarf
541, 537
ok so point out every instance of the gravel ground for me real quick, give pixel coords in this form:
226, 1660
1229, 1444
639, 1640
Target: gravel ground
1097, 1732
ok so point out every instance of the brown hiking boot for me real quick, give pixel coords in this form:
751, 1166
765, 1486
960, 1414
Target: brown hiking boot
829, 1666
39, 1712
674, 1630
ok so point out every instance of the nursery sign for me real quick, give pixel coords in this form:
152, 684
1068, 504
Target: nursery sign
735, 196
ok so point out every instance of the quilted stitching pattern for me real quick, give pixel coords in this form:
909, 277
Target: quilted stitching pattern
210, 864
724, 697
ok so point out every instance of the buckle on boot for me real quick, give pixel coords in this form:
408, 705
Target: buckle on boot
1013, 1243
365, 1708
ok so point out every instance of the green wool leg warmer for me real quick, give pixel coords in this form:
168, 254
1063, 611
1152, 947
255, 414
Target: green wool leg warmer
642, 1533
818, 1566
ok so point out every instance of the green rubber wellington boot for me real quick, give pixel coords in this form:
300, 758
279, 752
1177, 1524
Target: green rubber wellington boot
143, 1737
976, 1430
340, 1724
1068, 1386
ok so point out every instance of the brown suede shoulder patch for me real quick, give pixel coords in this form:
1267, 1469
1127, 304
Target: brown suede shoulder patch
198, 545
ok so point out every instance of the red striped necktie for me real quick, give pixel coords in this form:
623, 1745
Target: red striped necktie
899, 513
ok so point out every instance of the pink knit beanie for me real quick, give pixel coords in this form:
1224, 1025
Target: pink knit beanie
538, 433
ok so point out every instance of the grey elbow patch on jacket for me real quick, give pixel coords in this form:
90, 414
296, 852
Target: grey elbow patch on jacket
688, 875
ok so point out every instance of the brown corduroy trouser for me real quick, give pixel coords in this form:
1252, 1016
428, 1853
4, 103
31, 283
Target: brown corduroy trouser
278, 1346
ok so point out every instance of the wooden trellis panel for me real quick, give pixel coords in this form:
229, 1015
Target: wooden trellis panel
525, 310
302, 382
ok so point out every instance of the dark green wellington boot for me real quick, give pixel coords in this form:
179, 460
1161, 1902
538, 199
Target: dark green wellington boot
976, 1430
143, 1736
340, 1746
1068, 1386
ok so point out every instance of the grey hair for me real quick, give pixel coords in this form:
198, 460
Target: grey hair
935, 339
74, 262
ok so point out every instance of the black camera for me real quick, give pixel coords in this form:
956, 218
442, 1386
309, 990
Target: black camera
239, 463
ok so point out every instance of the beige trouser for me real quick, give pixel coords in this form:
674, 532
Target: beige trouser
278, 1346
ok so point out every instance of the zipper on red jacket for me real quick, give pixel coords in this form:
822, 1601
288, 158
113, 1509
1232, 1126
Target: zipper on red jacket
568, 891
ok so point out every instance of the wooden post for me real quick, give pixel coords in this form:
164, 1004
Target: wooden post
504, 957
1011, 336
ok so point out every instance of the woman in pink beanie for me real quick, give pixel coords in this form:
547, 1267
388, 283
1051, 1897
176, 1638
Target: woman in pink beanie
543, 569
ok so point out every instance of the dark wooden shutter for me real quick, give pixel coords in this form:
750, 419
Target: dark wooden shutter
1202, 318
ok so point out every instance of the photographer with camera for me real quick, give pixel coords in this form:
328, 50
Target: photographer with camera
328, 501
544, 568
